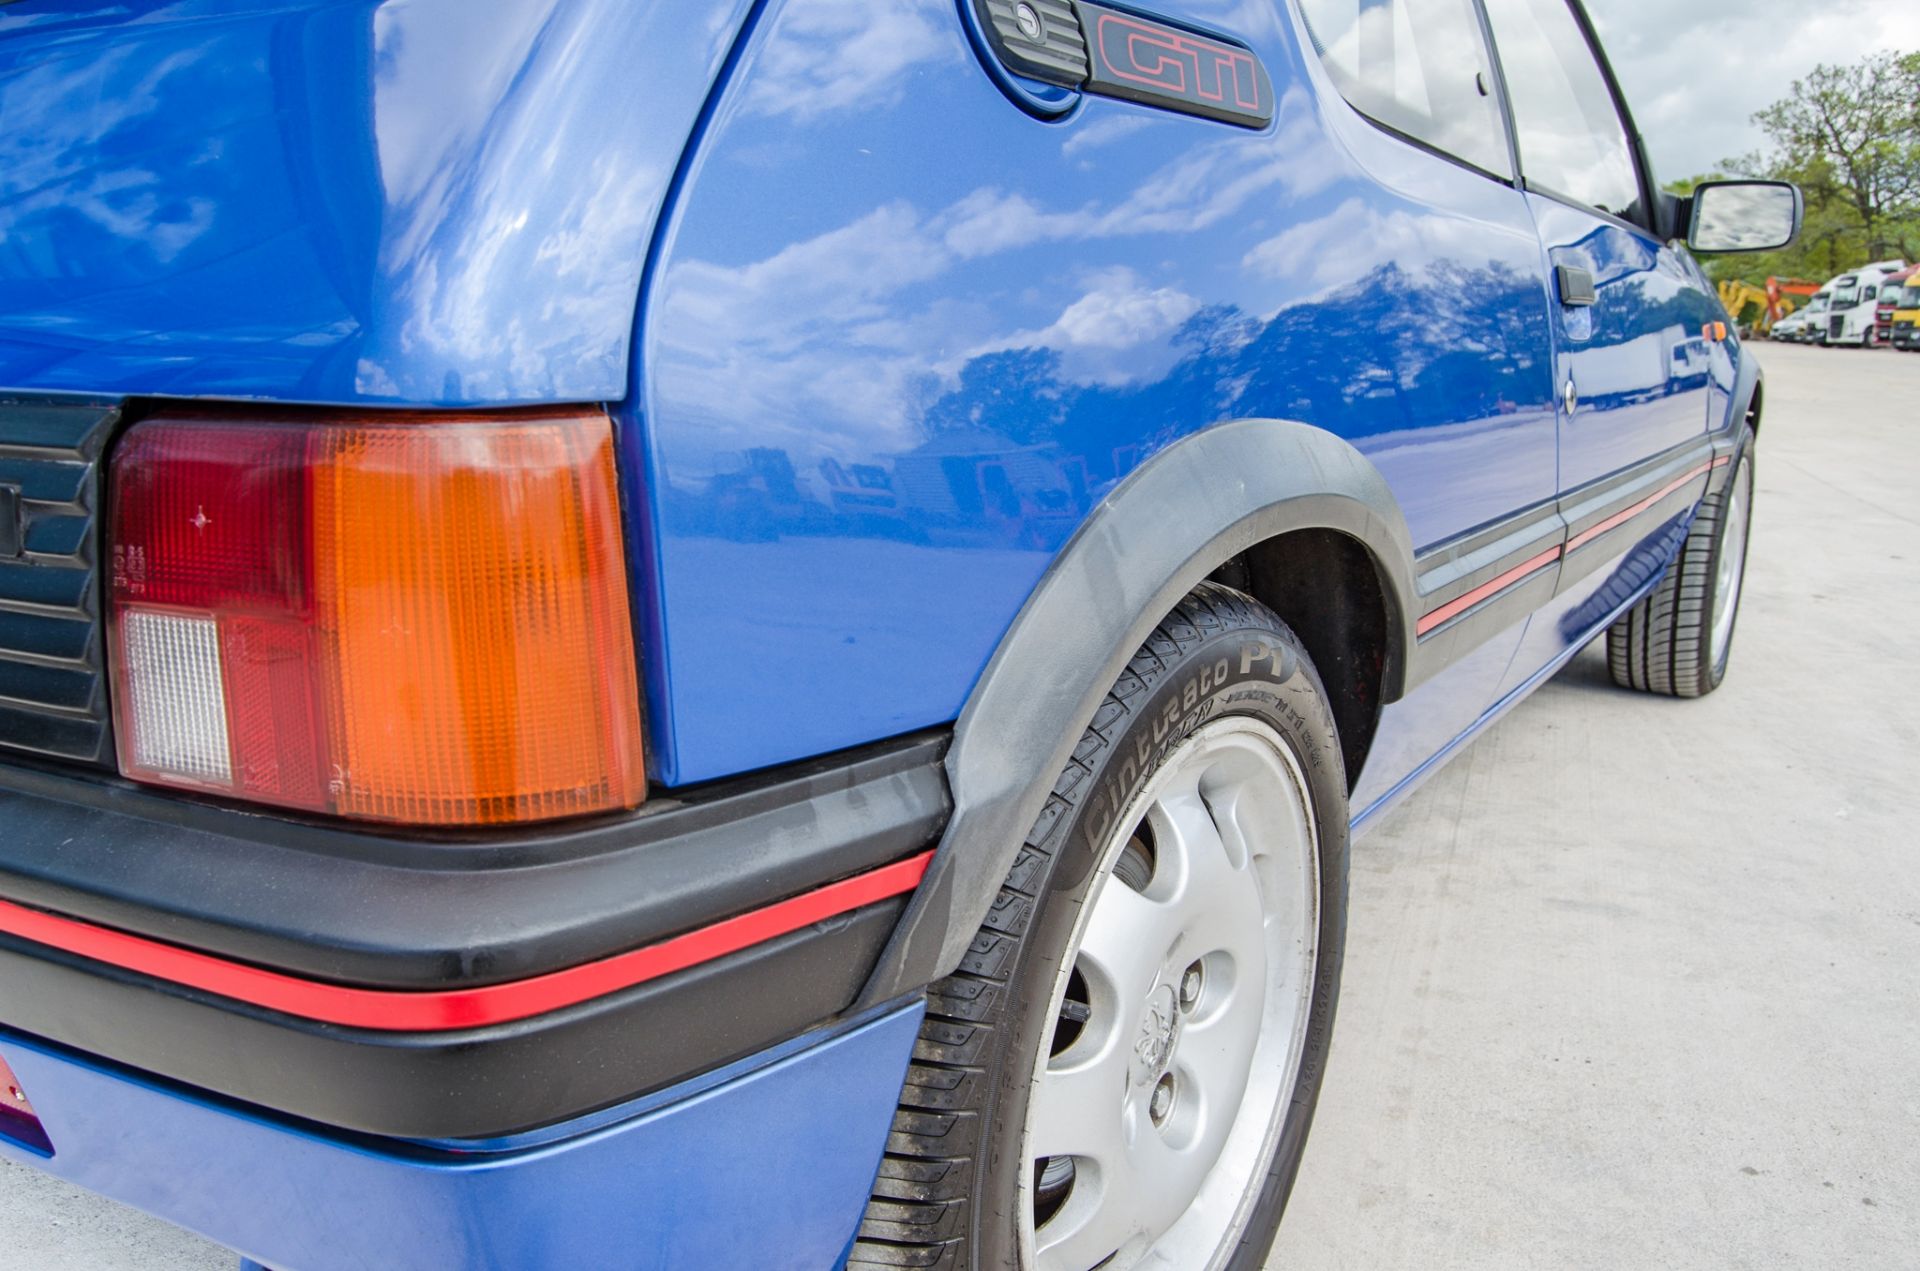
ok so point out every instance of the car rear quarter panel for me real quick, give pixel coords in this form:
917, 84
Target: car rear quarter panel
900, 337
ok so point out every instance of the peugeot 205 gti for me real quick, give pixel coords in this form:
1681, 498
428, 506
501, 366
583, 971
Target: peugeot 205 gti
710, 634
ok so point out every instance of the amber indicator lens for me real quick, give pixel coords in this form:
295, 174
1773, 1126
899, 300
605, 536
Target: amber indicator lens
415, 619
18, 1121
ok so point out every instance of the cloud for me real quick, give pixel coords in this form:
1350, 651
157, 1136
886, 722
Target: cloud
1356, 237
1118, 331
1203, 187
1103, 132
811, 348
1695, 73
61, 119
989, 221
832, 55
1121, 313
836, 276
830, 344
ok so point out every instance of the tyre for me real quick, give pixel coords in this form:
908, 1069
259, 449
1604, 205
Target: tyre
1126, 1064
1679, 639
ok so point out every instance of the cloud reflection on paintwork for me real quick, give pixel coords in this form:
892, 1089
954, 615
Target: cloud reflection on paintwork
60, 117
325, 201
818, 348
841, 55
1357, 236
479, 196
837, 341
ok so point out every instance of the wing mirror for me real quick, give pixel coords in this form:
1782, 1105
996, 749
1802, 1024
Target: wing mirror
1744, 216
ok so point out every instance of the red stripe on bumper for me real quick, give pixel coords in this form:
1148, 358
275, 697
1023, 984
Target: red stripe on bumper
410, 1010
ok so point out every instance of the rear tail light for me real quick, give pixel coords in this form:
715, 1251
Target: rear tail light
397, 618
18, 1121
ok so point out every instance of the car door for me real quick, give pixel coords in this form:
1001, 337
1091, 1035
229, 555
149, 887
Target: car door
1445, 383
1630, 361
1631, 313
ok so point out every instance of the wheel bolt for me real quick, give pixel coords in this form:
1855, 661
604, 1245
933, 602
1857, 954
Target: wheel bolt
1191, 983
1162, 1103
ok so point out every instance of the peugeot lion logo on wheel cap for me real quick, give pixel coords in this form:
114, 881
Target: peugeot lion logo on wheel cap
1159, 1029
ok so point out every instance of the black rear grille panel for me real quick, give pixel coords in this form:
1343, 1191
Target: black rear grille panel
53, 700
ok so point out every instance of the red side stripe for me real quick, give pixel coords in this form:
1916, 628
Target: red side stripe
1454, 608
1621, 518
1460, 605
405, 1010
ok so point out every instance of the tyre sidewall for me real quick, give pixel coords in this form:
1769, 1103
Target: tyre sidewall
1741, 482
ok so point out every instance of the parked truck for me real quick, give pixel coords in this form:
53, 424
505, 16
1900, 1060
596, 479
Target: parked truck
1853, 312
1905, 334
1890, 301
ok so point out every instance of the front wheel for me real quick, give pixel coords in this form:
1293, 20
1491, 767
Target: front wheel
1123, 1071
1679, 640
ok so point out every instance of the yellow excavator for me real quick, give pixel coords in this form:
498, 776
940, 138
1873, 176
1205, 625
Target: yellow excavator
1770, 303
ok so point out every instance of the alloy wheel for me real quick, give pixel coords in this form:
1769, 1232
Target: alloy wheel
1180, 1015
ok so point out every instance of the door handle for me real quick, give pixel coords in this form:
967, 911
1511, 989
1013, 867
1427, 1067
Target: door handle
1575, 286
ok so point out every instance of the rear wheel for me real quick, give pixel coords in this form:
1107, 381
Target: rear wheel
1124, 1069
1679, 640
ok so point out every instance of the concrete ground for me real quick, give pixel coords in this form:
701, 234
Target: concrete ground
1632, 983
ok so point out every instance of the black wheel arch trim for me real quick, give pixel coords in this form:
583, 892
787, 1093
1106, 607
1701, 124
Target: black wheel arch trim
1748, 382
1177, 518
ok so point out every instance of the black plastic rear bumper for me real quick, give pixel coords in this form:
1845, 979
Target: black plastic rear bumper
400, 913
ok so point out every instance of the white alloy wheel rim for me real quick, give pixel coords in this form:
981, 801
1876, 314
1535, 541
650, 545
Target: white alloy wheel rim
1192, 981
1732, 572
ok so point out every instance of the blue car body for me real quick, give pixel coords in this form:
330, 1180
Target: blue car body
891, 338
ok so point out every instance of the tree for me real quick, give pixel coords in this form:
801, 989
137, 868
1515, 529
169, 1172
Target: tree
1849, 136
1853, 135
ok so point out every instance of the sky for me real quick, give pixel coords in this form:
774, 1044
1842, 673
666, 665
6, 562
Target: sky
1695, 71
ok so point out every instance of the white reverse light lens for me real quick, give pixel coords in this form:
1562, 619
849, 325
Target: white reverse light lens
179, 705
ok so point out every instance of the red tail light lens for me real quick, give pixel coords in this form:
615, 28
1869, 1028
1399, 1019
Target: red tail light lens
18, 1121
411, 619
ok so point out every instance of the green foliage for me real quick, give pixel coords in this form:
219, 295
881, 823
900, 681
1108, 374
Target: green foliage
1849, 136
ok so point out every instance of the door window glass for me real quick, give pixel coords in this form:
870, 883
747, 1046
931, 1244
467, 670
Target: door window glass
1571, 139
1419, 67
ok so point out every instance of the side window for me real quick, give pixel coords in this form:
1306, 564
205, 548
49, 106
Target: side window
1419, 67
1571, 139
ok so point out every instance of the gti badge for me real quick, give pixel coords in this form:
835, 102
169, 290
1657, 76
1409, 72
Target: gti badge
1096, 49
1159, 65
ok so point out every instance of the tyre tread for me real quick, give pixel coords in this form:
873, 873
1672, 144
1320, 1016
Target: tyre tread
1664, 644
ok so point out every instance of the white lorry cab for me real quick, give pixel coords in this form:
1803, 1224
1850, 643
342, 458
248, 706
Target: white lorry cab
1850, 316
